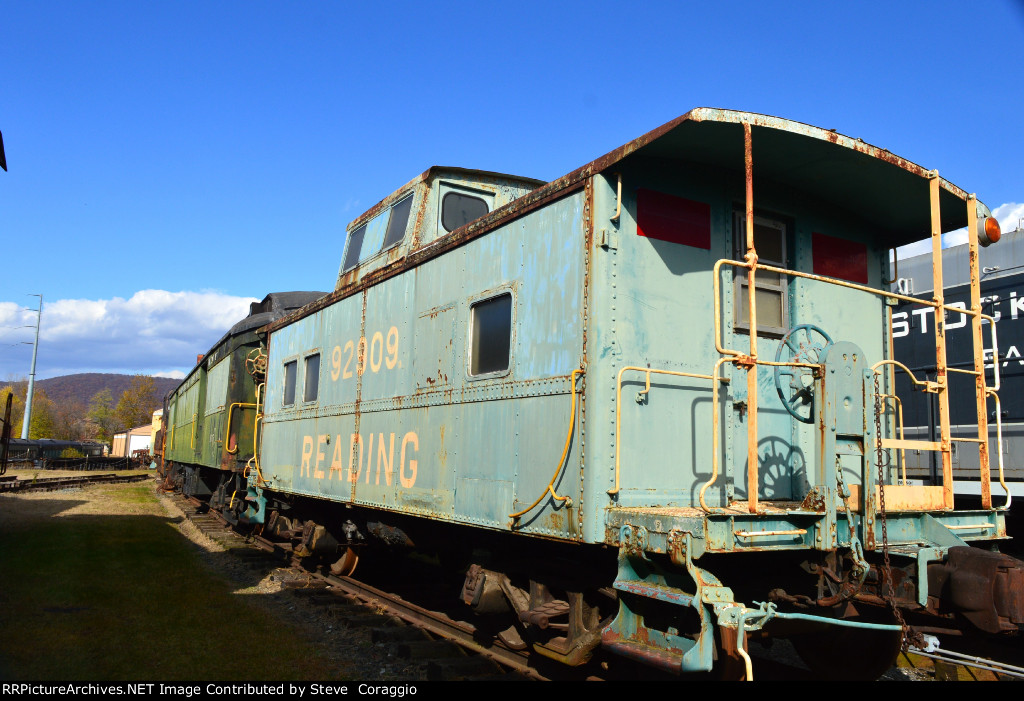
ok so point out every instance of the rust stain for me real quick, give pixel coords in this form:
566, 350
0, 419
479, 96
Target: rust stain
421, 214
555, 521
357, 408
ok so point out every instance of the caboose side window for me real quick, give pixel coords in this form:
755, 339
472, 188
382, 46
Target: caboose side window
397, 223
289, 382
312, 385
458, 210
770, 288
355, 242
491, 335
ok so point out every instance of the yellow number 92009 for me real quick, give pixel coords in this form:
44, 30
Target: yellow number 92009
377, 353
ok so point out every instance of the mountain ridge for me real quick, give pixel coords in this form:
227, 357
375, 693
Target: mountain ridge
83, 386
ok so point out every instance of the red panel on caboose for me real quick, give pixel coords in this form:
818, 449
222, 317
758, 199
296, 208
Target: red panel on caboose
670, 218
840, 258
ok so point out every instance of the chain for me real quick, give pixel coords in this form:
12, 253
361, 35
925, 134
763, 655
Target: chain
884, 462
860, 566
845, 494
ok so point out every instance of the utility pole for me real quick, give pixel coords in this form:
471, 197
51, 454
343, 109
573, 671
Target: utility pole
32, 375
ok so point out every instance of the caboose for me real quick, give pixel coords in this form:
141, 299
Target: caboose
645, 406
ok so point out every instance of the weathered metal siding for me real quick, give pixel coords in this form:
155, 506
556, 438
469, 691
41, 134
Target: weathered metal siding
186, 417
408, 428
211, 439
199, 408
652, 306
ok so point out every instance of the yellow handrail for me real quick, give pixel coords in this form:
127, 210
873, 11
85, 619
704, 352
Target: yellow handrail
618, 405
739, 358
903, 451
254, 461
750, 361
227, 431
565, 451
999, 447
193, 441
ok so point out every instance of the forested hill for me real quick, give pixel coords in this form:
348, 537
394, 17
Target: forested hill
84, 386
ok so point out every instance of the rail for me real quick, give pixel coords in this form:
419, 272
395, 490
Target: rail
227, 431
749, 360
254, 461
618, 404
898, 404
565, 451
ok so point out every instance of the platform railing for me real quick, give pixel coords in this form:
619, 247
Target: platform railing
750, 360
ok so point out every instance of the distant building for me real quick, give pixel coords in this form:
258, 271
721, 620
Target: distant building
158, 418
127, 442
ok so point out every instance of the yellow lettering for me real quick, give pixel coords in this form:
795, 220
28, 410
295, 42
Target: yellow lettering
307, 453
388, 459
320, 440
336, 459
392, 358
408, 482
353, 462
336, 362
377, 349
346, 373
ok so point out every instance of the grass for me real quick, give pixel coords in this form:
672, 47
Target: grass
125, 597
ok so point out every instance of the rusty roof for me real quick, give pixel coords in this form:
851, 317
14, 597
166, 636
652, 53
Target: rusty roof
873, 184
426, 175
877, 185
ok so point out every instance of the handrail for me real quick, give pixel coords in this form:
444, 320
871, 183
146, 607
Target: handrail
565, 451
618, 405
254, 461
895, 265
227, 431
739, 358
618, 207
714, 438
999, 448
913, 378
192, 443
749, 361
899, 420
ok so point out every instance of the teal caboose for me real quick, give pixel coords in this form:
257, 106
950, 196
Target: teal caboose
649, 404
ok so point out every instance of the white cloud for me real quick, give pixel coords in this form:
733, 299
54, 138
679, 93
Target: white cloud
173, 374
1008, 215
153, 332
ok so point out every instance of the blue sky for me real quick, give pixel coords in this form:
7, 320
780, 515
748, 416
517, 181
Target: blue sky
170, 161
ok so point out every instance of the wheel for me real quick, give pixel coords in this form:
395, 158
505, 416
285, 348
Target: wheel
805, 343
346, 564
256, 362
840, 653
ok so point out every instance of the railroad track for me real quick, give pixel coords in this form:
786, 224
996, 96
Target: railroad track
437, 645
50, 484
418, 636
